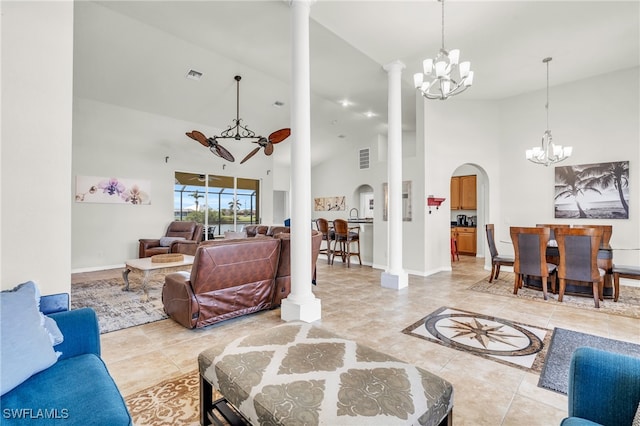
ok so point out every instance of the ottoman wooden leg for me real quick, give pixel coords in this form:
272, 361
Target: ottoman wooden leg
206, 401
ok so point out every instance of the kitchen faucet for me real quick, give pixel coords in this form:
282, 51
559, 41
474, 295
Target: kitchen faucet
357, 213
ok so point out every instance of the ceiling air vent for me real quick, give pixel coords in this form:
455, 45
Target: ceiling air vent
363, 158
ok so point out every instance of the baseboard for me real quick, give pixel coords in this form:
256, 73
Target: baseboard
97, 268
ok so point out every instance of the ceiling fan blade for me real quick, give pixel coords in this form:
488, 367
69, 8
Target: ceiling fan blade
279, 135
222, 152
251, 154
200, 137
268, 149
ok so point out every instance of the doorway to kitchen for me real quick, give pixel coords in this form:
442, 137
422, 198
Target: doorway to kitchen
469, 208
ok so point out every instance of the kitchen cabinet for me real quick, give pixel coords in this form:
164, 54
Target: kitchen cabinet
463, 193
466, 238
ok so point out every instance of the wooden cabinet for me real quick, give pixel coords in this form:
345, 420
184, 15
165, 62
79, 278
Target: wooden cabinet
463, 193
466, 238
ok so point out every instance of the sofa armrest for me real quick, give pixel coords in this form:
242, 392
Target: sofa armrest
604, 387
80, 330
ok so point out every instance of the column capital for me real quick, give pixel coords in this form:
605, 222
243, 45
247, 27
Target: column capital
396, 65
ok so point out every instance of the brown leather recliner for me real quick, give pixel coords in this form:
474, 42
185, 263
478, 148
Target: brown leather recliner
283, 276
191, 232
229, 278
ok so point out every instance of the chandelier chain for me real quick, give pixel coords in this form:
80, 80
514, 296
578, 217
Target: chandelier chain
442, 24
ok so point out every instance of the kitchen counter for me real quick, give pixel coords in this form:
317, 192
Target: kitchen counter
360, 220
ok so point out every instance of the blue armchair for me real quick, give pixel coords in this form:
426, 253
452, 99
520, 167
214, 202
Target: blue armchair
604, 388
76, 390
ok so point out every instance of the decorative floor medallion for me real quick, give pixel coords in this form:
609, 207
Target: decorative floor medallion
507, 342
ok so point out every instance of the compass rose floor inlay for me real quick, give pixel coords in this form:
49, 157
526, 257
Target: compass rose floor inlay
508, 342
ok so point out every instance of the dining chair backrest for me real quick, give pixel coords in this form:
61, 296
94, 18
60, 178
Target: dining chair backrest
552, 226
491, 240
341, 228
323, 225
607, 230
530, 245
579, 253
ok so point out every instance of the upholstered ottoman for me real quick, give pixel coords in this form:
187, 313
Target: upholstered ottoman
298, 373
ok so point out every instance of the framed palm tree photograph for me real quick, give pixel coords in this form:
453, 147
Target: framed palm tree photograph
592, 191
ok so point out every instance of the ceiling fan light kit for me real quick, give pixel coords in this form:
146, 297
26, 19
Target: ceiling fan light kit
239, 132
444, 76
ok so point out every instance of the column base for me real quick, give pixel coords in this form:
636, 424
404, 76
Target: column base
307, 311
394, 281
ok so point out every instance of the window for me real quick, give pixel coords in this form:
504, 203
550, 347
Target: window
220, 203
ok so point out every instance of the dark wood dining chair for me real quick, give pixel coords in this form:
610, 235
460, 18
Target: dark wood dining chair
579, 259
530, 247
552, 226
345, 236
327, 236
496, 259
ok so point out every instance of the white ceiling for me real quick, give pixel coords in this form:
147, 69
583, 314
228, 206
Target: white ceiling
137, 53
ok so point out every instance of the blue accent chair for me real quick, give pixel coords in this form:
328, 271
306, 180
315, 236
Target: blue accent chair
604, 388
76, 390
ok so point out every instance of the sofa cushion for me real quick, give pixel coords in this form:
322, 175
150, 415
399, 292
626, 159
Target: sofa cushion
26, 347
76, 391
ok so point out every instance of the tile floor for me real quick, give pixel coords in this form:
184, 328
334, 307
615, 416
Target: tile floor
355, 306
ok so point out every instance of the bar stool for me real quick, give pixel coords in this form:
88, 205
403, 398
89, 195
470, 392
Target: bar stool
345, 236
327, 236
624, 271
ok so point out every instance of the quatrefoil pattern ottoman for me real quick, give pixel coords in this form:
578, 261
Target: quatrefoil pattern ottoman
297, 373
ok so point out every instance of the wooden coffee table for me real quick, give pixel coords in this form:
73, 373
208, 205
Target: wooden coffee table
147, 267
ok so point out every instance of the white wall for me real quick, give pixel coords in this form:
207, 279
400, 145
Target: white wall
600, 118
458, 132
37, 72
113, 141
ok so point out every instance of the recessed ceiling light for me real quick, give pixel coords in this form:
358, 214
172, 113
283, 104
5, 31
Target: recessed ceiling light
194, 75
278, 104
345, 102
370, 114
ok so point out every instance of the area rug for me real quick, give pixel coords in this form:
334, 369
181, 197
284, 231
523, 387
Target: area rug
172, 402
555, 373
117, 309
508, 342
628, 303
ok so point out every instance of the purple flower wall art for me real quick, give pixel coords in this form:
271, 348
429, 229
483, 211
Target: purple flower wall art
95, 189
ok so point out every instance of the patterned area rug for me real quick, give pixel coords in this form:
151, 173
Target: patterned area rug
628, 303
172, 402
555, 373
507, 342
117, 309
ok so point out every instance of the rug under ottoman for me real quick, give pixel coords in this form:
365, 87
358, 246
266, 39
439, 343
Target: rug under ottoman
298, 373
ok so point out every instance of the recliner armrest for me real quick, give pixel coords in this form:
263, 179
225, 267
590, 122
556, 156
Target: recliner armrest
188, 247
149, 242
80, 330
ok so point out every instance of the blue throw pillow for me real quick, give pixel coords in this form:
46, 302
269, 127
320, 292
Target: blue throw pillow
26, 347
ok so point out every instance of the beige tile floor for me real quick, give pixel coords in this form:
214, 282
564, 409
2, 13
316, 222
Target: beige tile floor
355, 306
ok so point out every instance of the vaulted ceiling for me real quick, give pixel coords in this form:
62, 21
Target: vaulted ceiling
137, 53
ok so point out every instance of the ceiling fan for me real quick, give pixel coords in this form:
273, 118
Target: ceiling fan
238, 132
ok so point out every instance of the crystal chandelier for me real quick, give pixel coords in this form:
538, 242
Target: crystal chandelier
548, 152
443, 76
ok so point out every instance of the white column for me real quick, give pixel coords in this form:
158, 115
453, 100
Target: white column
394, 277
301, 303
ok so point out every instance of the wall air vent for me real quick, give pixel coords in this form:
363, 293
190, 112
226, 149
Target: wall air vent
363, 158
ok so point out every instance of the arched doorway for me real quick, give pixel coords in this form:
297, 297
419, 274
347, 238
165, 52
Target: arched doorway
473, 215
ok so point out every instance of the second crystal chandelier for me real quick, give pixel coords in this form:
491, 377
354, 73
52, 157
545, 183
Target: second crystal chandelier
444, 76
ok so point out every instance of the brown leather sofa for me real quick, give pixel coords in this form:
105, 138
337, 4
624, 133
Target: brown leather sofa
264, 230
231, 278
191, 232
